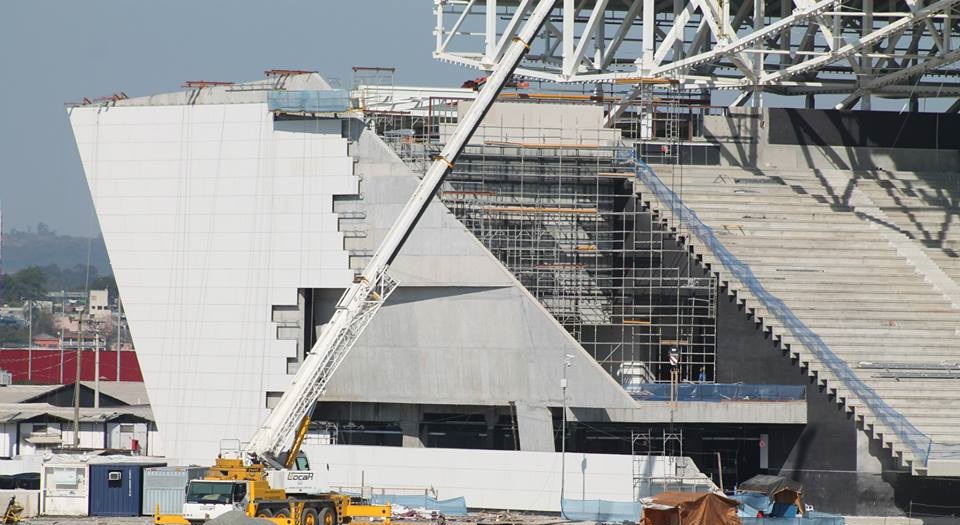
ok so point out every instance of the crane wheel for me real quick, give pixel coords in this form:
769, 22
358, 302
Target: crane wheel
282, 513
328, 516
264, 513
309, 517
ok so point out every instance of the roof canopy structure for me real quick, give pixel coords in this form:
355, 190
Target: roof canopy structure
857, 48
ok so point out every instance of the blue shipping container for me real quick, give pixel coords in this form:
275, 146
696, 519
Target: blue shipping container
117, 489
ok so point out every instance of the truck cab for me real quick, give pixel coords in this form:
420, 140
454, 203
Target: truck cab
206, 499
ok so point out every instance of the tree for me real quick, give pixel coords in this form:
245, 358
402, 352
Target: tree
105, 283
28, 283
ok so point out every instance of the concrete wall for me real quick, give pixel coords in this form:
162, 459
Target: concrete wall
489, 479
29, 499
212, 214
460, 329
822, 454
743, 137
540, 123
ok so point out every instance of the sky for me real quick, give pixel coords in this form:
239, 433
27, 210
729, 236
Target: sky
52, 52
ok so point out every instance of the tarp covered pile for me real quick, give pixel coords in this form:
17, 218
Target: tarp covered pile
689, 508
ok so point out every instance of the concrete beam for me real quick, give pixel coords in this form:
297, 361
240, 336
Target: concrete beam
775, 413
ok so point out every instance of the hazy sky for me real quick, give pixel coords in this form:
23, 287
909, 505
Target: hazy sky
53, 52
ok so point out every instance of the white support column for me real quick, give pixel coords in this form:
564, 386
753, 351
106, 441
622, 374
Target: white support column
649, 20
866, 62
600, 41
567, 36
758, 18
491, 32
438, 30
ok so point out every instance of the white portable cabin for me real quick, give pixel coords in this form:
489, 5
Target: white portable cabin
64, 488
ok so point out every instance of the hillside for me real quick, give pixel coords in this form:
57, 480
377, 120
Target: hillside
45, 247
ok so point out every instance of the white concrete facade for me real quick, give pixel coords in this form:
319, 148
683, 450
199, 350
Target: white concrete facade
213, 214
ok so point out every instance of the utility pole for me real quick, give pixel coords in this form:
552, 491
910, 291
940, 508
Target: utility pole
567, 363
76, 384
96, 378
61, 356
119, 323
30, 343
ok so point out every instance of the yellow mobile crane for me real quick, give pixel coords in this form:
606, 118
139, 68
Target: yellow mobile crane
262, 483
253, 488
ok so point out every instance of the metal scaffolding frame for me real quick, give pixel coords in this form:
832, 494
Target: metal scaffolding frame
558, 209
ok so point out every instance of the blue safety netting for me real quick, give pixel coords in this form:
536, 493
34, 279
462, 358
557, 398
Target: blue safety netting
601, 510
810, 518
912, 437
751, 503
314, 101
447, 507
716, 392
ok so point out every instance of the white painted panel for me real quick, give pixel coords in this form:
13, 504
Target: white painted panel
211, 215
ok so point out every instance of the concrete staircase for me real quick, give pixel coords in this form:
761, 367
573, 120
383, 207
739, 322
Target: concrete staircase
923, 206
818, 242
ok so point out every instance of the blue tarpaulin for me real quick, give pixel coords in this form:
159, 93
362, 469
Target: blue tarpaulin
326, 101
811, 518
601, 510
717, 392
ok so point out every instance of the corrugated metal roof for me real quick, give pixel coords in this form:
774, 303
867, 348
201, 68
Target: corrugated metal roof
10, 413
129, 392
21, 393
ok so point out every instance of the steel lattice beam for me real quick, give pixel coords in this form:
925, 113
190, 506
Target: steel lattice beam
792, 47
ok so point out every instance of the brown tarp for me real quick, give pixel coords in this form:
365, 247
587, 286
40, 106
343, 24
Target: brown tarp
690, 508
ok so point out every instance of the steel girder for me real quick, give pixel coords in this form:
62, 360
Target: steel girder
858, 48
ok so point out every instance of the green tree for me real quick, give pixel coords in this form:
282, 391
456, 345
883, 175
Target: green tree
105, 283
28, 283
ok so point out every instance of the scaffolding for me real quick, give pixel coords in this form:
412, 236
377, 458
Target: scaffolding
660, 466
558, 209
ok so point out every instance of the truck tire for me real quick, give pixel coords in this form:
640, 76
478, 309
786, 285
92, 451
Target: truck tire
328, 516
281, 513
264, 512
309, 517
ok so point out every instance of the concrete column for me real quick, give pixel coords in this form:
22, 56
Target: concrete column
535, 427
410, 416
411, 434
490, 417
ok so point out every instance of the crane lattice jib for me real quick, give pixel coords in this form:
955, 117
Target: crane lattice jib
363, 299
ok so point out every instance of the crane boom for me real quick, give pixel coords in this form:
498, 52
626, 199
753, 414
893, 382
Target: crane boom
361, 301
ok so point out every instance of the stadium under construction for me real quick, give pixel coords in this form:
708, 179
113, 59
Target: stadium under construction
637, 253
